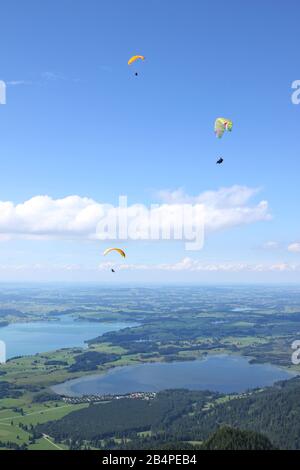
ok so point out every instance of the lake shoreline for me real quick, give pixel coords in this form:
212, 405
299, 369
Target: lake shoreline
41, 337
70, 387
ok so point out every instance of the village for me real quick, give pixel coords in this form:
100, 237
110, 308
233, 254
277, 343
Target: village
104, 398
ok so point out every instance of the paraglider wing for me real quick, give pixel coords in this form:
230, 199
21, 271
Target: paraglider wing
229, 125
109, 250
219, 127
222, 125
134, 58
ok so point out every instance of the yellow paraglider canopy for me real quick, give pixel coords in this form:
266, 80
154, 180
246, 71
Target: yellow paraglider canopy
134, 58
109, 250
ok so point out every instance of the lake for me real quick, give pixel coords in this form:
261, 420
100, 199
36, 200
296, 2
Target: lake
222, 373
30, 338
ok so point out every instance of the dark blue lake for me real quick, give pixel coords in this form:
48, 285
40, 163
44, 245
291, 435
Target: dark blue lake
222, 373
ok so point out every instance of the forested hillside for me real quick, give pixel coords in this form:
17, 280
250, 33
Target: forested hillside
227, 438
181, 416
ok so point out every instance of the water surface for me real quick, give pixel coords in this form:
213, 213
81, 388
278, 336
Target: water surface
222, 373
34, 337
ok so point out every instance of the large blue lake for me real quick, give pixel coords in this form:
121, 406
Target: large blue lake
30, 338
222, 373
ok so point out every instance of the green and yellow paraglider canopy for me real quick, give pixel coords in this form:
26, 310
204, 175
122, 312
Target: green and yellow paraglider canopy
222, 125
118, 250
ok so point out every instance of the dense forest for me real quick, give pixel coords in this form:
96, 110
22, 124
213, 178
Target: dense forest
124, 417
185, 416
227, 438
91, 360
8, 390
274, 412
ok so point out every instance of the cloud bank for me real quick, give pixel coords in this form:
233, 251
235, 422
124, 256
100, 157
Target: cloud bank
76, 217
187, 264
192, 265
294, 247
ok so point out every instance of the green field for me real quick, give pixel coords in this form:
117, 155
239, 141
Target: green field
34, 414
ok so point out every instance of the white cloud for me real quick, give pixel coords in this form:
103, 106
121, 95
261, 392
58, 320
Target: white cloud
271, 245
52, 76
185, 265
189, 264
294, 247
55, 77
73, 217
224, 197
44, 217
45, 77
18, 82
224, 208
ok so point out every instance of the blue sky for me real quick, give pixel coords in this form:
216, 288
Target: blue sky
78, 122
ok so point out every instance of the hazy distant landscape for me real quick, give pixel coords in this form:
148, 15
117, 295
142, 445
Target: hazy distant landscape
233, 338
